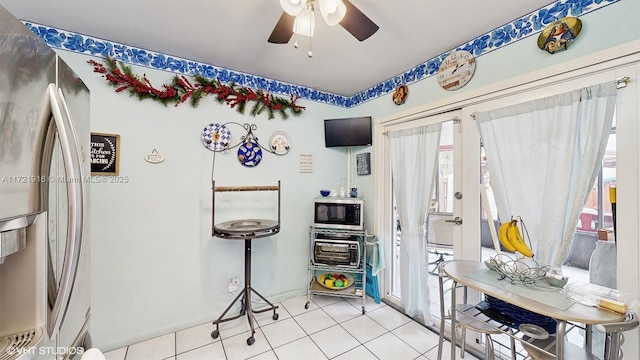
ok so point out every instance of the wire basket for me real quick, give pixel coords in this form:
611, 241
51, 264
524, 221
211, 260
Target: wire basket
514, 316
523, 270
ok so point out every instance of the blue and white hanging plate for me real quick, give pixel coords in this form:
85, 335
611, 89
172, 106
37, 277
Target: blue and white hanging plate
249, 154
216, 137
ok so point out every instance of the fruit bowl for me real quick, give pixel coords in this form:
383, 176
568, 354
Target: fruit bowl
335, 281
325, 193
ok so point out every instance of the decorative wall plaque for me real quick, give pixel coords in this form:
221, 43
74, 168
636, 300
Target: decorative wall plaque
154, 157
105, 154
363, 163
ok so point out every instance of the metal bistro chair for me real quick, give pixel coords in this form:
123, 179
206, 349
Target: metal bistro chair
439, 237
614, 338
468, 317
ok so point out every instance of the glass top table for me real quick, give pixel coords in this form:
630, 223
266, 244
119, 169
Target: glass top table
549, 302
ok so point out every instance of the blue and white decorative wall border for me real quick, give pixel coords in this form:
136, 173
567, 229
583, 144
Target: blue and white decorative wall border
519, 29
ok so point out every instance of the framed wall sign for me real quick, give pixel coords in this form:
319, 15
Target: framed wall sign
105, 154
363, 163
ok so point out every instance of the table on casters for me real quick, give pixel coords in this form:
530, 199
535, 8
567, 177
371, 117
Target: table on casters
245, 230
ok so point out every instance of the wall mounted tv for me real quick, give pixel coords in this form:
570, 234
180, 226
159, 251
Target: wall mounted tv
354, 131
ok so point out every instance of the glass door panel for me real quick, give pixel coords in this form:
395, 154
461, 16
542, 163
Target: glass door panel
442, 204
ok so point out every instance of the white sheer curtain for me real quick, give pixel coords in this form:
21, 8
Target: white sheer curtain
543, 158
413, 165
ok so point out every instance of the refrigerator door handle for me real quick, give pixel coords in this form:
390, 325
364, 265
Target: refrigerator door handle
75, 228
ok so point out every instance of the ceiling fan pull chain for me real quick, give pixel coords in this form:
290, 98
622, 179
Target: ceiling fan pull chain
310, 53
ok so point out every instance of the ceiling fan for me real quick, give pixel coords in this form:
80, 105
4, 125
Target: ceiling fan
298, 17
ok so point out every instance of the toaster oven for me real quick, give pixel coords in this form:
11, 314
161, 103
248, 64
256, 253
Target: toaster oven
336, 252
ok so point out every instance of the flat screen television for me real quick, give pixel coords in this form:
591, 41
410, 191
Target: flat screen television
354, 131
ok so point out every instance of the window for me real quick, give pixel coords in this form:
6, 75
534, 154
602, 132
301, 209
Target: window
596, 214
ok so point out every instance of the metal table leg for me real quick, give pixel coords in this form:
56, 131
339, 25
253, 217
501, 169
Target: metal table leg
560, 330
453, 320
245, 300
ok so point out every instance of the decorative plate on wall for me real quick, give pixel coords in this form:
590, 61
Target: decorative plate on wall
216, 137
559, 34
280, 142
400, 94
249, 154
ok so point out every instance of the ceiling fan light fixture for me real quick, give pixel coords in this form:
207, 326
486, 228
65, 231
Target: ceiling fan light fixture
333, 11
305, 23
292, 7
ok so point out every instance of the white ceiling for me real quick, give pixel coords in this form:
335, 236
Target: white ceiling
233, 34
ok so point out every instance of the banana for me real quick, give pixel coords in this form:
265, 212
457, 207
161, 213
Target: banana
516, 240
502, 236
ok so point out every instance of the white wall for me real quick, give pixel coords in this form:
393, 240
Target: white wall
155, 267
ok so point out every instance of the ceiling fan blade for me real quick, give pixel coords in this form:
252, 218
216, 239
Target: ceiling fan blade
357, 23
283, 30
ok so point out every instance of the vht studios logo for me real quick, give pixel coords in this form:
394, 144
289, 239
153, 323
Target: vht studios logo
46, 350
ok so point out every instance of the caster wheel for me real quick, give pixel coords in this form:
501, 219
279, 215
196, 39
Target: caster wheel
250, 341
275, 316
363, 311
306, 306
215, 334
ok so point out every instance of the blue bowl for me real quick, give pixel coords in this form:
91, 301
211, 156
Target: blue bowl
325, 193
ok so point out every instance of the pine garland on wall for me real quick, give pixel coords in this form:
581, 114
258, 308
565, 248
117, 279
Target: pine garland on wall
182, 89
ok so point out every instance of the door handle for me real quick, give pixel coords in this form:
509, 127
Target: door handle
75, 201
457, 220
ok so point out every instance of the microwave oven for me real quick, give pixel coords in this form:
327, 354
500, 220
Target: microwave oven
339, 213
336, 252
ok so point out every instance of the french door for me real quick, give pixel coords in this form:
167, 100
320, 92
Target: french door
443, 202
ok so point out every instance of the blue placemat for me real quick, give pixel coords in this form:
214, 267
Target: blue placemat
540, 291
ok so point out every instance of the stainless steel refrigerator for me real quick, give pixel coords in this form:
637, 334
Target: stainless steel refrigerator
44, 161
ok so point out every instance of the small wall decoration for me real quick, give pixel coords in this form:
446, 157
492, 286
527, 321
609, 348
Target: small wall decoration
400, 94
363, 163
306, 163
456, 70
559, 34
154, 157
280, 143
250, 153
216, 137
105, 154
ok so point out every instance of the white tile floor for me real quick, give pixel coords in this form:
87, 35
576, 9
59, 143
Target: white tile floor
332, 328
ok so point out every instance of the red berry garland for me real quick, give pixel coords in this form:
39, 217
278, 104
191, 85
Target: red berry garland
181, 90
